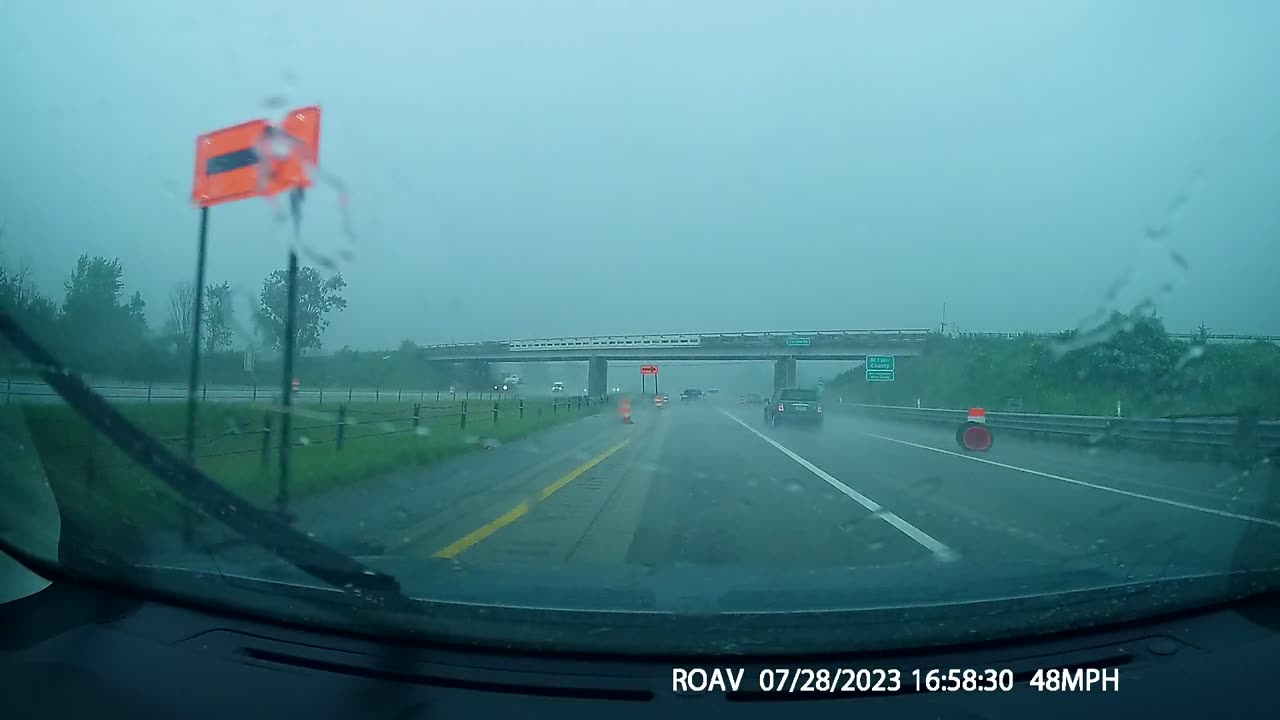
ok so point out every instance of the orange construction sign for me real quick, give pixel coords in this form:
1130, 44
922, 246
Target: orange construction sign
256, 159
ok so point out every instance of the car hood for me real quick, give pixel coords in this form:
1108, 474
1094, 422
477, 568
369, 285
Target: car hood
691, 588
716, 610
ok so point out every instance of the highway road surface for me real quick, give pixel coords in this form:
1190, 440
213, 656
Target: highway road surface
708, 487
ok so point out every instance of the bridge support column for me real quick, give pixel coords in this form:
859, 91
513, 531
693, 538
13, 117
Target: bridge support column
478, 375
784, 373
597, 376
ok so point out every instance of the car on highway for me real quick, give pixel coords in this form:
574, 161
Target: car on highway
691, 394
557, 387
794, 405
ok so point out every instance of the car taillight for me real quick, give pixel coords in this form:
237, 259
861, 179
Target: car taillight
819, 409
781, 407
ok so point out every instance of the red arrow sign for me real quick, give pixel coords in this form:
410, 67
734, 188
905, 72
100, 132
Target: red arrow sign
648, 369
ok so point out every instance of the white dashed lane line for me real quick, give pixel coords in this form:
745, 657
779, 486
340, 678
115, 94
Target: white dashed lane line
924, 539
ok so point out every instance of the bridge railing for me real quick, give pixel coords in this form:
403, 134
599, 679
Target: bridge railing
680, 340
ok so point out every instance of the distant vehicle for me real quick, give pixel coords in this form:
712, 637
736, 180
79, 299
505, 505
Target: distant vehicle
793, 405
713, 391
690, 394
660, 401
512, 380
557, 387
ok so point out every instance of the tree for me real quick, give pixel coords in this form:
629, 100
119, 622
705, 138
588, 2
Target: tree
182, 303
317, 297
35, 312
101, 331
91, 315
217, 317
135, 317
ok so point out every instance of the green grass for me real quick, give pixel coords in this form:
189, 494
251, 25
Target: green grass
958, 373
109, 496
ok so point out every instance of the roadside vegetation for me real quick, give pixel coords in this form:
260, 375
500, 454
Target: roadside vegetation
104, 493
100, 329
1130, 361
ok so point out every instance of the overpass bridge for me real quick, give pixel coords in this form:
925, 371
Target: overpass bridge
783, 347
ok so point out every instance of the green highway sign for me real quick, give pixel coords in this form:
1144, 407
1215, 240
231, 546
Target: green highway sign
880, 362
799, 342
879, 368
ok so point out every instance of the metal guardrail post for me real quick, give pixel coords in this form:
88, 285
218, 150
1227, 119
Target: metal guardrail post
148, 392
204, 393
554, 404
463, 424
255, 392
349, 391
495, 412
521, 408
342, 426
8, 387
377, 394
398, 393
321, 401
417, 415
266, 437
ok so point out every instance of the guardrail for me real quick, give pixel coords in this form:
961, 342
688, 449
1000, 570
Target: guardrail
1201, 433
36, 391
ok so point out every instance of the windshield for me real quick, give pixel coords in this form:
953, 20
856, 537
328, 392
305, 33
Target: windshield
408, 287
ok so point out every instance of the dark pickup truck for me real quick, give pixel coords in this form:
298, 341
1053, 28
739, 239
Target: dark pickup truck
793, 405
691, 394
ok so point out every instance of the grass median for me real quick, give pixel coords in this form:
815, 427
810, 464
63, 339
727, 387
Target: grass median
105, 494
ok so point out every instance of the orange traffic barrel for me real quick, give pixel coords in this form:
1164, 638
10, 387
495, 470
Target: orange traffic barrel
974, 433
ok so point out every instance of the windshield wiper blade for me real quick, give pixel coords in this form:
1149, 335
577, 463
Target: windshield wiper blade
259, 526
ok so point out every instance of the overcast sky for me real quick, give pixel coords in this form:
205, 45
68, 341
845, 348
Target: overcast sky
533, 168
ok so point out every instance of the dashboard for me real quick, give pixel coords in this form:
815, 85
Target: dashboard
78, 650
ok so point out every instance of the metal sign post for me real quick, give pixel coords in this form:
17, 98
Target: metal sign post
237, 163
194, 378
286, 386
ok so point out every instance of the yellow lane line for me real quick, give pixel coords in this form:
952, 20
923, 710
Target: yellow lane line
460, 545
